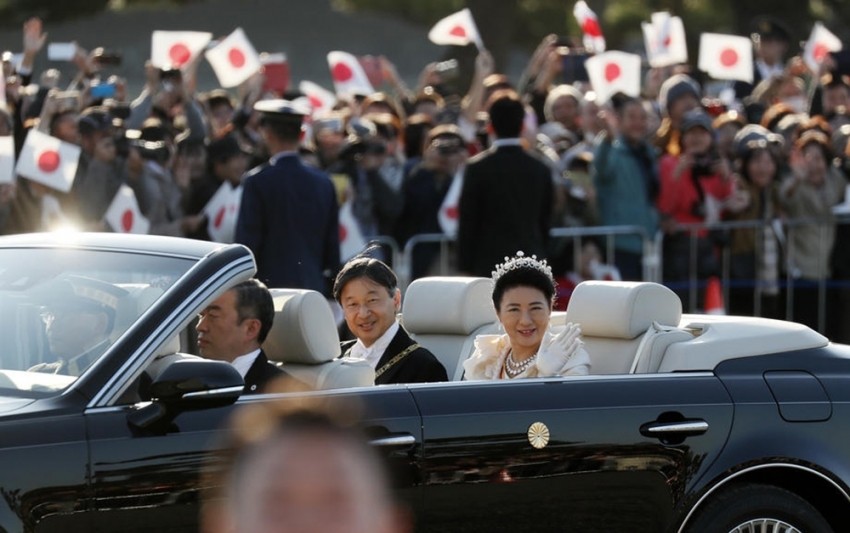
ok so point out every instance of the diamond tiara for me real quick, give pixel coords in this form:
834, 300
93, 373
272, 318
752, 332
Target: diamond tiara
521, 261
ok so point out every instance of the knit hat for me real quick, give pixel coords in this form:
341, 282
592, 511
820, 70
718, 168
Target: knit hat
753, 137
696, 118
676, 87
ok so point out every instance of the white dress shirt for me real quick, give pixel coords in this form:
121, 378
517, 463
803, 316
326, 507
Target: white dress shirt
243, 363
286, 153
373, 353
514, 141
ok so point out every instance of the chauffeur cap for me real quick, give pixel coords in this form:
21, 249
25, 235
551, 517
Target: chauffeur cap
78, 292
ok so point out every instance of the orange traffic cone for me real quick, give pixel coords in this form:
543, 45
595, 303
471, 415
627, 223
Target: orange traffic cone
714, 297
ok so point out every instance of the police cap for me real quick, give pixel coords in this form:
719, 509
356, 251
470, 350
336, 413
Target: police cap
281, 110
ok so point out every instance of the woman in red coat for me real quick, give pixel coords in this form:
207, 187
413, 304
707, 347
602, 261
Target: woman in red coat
694, 186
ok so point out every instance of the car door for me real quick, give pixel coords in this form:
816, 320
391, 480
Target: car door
614, 453
150, 480
43, 483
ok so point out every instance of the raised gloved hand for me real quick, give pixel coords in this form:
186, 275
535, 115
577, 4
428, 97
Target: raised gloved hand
564, 355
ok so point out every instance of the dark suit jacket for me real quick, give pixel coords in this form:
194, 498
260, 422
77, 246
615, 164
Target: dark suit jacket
505, 206
419, 366
289, 219
260, 373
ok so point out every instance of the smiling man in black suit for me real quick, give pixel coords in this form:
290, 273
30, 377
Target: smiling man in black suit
367, 290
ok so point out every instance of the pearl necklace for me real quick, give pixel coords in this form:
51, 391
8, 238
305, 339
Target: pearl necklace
513, 369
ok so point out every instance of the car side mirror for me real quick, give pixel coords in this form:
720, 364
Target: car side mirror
186, 385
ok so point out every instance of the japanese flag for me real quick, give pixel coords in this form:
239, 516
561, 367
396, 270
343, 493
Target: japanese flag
456, 29
173, 49
321, 99
589, 23
48, 160
222, 211
7, 159
665, 40
348, 75
123, 214
613, 72
234, 59
449, 214
726, 57
821, 42
351, 241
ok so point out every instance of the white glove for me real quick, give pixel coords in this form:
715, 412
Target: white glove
564, 355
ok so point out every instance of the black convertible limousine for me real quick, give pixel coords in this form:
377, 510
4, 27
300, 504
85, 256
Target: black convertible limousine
687, 423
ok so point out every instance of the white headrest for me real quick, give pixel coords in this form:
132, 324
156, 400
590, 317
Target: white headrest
622, 309
448, 305
170, 347
304, 330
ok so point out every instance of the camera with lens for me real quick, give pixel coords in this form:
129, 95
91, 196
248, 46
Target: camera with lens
156, 151
448, 70
120, 110
704, 164
103, 57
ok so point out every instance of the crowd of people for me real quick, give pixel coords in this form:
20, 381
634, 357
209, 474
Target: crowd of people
498, 166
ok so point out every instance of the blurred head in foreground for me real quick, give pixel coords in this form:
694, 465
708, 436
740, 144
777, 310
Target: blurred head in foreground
300, 470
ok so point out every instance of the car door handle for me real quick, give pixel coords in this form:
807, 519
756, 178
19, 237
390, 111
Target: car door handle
679, 428
394, 441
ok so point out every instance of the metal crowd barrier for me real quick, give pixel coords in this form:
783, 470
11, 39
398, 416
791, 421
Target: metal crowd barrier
788, 272
653, 248
443, 264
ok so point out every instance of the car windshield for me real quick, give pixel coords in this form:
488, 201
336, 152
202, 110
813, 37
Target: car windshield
61, 309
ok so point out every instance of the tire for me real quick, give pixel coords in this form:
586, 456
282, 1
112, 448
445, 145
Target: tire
758, 508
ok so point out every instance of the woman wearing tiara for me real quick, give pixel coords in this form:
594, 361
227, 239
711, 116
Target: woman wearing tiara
523, 294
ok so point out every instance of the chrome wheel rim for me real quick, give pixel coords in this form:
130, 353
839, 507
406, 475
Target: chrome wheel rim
765, 525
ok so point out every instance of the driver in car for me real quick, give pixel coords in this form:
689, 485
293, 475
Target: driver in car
79, 316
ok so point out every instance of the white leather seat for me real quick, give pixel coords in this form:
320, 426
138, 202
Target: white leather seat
304, 339
444, 315
615, 318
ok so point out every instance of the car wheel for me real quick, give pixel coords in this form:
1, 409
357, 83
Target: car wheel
759, 509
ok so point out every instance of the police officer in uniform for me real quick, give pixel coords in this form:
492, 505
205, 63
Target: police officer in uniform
289, 214
772, 39
79, 318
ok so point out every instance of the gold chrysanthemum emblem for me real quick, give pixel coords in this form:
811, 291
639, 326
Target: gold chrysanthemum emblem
538, 435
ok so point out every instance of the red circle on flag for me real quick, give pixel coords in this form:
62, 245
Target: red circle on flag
127, 220
612, 72
219, 217
729, 57
341, 72
315, 101
236, 57
458, 31
591, 27
820, 52
48, 161
667, 41
451, 212
343, 233
179, 54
